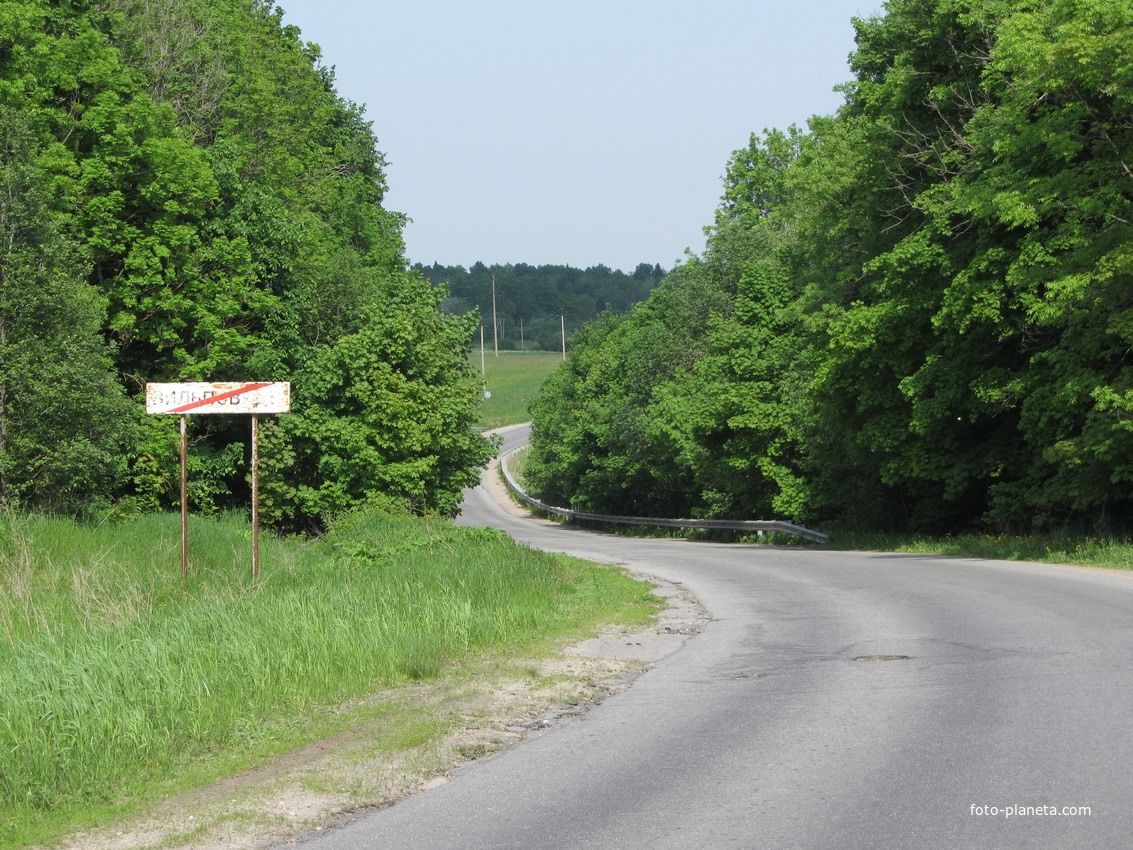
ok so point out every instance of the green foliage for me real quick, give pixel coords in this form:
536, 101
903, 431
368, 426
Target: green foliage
928, 296
385, 413
688, 407
974, 352
64, 420
195, 165
594, 445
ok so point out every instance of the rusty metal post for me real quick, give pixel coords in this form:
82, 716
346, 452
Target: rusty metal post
184, 499
255, 497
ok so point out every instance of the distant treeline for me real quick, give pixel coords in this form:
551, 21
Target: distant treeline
530, 299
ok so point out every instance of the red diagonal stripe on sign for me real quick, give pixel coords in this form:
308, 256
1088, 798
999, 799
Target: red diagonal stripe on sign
185, 408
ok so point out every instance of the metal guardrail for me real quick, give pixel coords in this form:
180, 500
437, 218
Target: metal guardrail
759, 526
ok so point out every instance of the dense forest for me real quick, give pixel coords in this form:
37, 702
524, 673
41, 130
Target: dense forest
184, 196
531, 299
915, 314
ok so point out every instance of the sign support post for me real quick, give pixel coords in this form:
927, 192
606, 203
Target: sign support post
255, 496
254, 398
184, 498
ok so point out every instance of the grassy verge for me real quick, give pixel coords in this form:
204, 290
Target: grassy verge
517, 465
116, 675
1114, 553
513, 378
1078, 550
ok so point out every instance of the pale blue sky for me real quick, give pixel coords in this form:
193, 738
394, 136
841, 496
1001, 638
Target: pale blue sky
583, 132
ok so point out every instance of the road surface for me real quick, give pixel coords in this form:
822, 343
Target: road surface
834, 700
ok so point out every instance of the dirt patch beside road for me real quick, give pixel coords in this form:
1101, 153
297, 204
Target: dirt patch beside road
478, 712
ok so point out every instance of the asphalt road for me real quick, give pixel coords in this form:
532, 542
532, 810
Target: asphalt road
834, 700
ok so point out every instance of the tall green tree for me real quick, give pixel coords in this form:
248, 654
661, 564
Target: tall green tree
929, 316
225, 206
972, 357
64, 419
596, 444
384, 416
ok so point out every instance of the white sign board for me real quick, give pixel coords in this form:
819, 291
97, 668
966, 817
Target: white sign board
219, 398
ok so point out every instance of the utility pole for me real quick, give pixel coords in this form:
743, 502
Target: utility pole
522, 347
484, 377
495, 322
562, 324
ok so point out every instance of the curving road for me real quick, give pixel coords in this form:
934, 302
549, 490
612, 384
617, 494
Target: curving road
835, 700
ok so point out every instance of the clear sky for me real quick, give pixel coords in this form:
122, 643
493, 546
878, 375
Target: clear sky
581, 132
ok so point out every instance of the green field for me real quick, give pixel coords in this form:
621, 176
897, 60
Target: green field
512, 378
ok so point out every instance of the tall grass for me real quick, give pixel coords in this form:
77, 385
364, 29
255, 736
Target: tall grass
1082, 550
113, 670
517, 465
